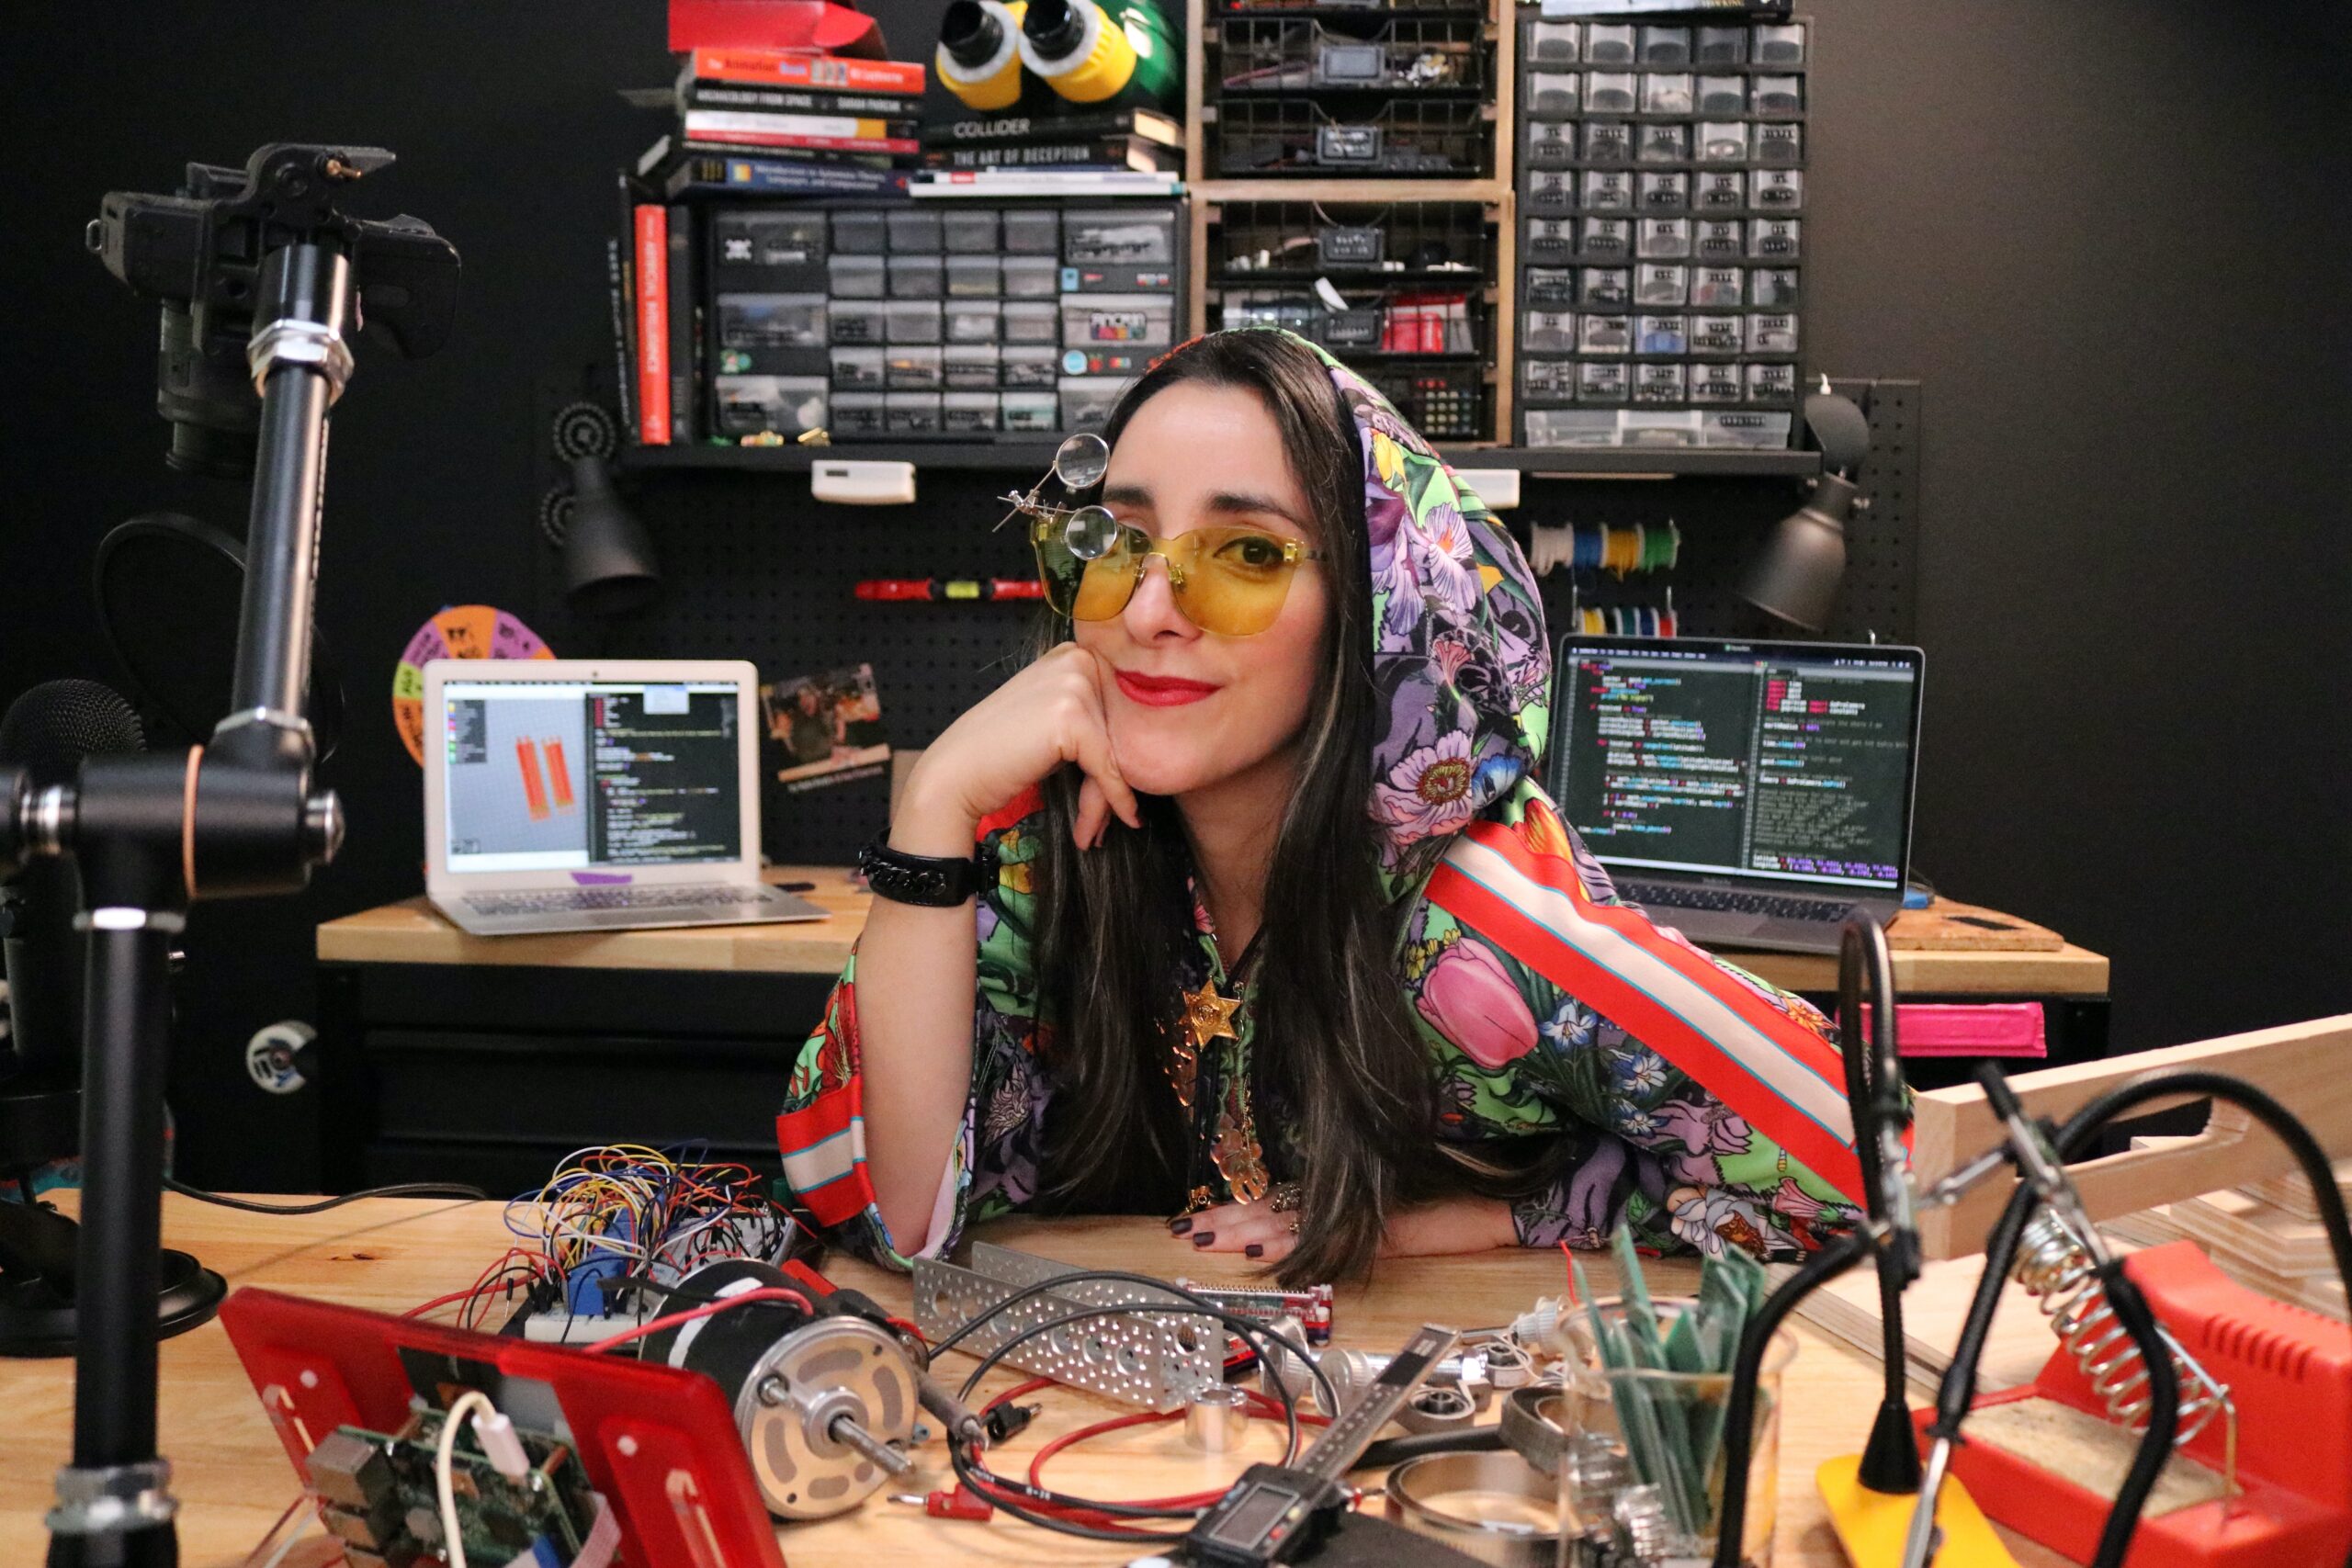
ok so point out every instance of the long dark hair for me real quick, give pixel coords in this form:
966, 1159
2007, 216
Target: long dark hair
1337, 1052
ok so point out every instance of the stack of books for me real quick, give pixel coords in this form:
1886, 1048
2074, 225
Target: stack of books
1084, 152
778, 123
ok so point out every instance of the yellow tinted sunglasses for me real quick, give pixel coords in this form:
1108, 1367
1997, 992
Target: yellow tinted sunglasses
1230, 580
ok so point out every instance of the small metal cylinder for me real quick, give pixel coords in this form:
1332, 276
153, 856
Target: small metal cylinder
1216, 1418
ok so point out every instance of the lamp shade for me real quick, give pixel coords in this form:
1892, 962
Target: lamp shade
609, 565
1796, 577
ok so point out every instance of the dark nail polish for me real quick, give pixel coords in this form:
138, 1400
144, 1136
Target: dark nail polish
1202, 1238
1178, 1227
1254, 1249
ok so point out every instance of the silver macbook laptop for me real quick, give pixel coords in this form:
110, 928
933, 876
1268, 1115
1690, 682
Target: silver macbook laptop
572, 795
1749, 794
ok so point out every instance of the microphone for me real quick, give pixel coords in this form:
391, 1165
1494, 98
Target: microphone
47, 732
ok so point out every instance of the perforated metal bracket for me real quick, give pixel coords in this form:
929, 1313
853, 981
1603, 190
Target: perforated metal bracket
1137, 1358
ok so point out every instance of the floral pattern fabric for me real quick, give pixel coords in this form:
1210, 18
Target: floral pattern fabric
1667, 1089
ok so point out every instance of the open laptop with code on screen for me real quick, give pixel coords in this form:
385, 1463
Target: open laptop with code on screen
1749, 794
572, 795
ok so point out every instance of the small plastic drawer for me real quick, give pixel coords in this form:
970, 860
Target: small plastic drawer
913, 231
752, 405
1775, 94
912, 368
1775, 239
911, 413
1032, 278
1780, 45
1602, 381
1571, 427
850, 321
1718, 335
1772, 332
969, 413
974, 277
970, 321
1611, 92
859, 234
969, 366
1771, 383
1548, 331
1549, 194
1604, 335
1610, 43
1555, 94
1719, 239
1608, 141
1648, 427
1721, 45
1032, 369
1605, 238
1087, 401
1773, 287
912, 321
1119, 237
1667, 92
1664, 238
1665, 192
1605, 289
857, 414
772, 320
1555, 43
1028, 322
1135, 321
1776, 190
1721, 95
916, 277
1551, 240
1662, 143
1779, 141
1548, 380
857, 277
968, 233
1666, 49
1549, 288
1745, 428
1604, 190
1033, 232
1661, 383
1715, 381
1662, 336
1660, 283
857, 369
1718, 286
1551, 144
1721, 190
767, 251
1030, 413
1722, 141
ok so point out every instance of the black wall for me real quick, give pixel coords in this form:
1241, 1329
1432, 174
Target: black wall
2108, 236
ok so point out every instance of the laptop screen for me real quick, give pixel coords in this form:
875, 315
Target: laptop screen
547, 775
1773, 761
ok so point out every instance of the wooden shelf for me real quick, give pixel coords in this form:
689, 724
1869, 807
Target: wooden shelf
1358, 192
1034, 456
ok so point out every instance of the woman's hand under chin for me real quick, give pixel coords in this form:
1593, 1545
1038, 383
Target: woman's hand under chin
1426, 1230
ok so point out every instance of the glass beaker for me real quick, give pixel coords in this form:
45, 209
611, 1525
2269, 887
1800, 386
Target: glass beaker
1642, 1461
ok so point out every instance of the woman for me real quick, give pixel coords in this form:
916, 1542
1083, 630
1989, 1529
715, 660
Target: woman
1274, 926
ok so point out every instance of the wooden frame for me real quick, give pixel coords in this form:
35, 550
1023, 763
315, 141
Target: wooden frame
2302, 1065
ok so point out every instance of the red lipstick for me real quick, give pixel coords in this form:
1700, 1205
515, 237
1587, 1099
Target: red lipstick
1162, 691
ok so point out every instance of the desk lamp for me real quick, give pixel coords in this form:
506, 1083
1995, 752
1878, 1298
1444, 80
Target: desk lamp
1797, 576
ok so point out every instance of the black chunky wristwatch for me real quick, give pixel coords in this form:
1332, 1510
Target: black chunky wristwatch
935, 882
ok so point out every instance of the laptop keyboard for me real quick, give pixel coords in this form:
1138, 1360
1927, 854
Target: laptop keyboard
1677, 896
565, 900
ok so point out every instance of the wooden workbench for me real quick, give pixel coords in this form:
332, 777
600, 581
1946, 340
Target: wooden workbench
232, 1478
410, 933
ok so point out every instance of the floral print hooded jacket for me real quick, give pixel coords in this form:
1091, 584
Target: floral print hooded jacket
1680, 1095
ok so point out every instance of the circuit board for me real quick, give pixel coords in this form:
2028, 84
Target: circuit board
382, 1504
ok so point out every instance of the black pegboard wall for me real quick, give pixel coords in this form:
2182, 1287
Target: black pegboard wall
1725, 522
753, 566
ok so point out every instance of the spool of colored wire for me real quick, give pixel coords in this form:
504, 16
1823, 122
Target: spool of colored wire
1661, 547
1586, 553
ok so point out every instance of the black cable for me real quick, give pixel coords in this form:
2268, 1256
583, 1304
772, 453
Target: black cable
976, 1480
401, 1189
1889, 1461
1396, 1450
1739, 1408
2132, 1310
